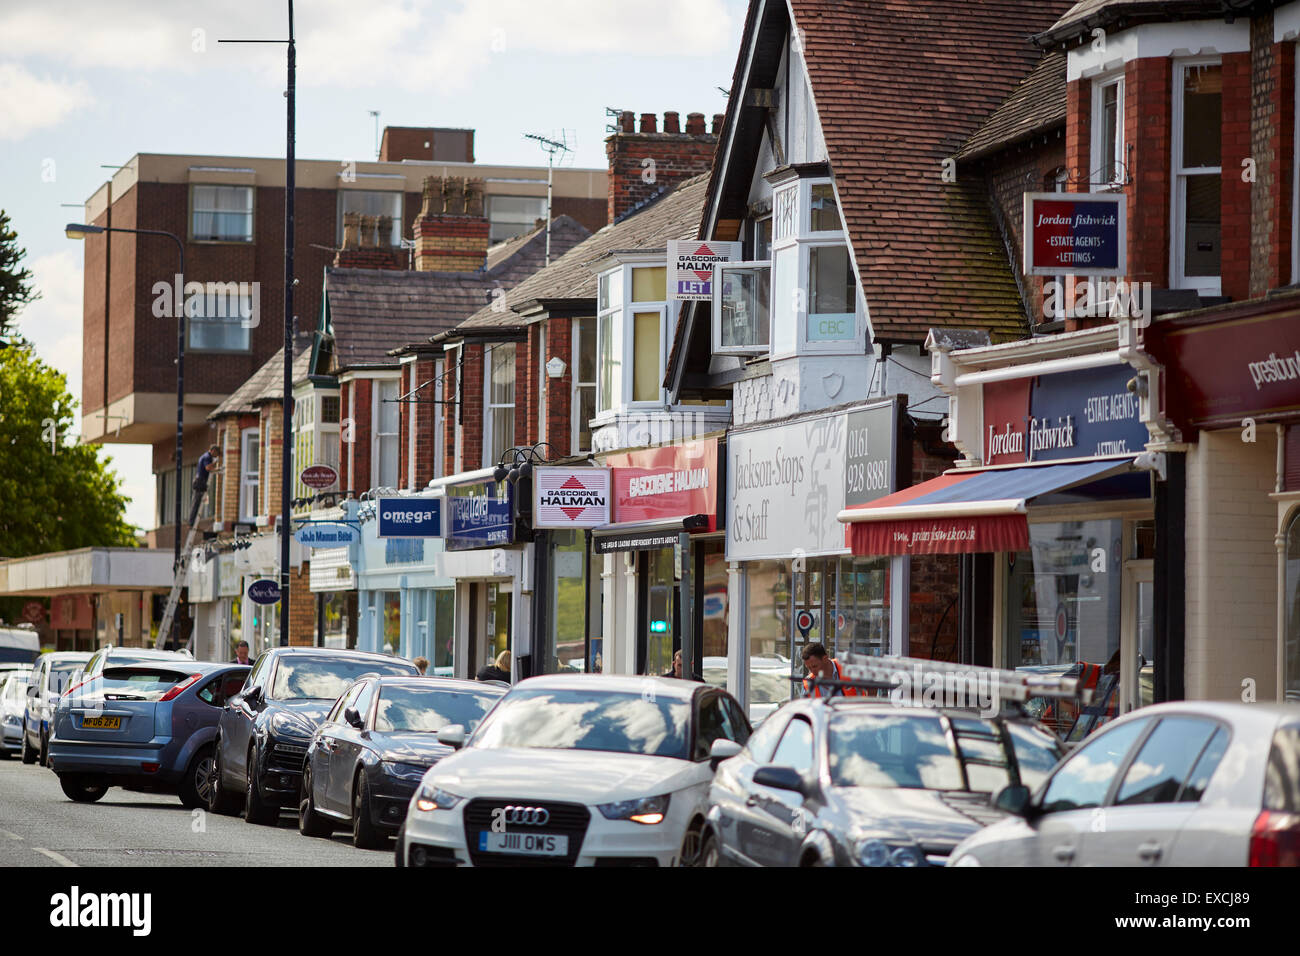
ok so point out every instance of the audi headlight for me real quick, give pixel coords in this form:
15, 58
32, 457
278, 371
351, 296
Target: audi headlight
871, 853
399, 769
646, 810
875, 852
287, 725
434, 798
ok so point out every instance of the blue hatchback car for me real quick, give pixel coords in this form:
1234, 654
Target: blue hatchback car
144, 724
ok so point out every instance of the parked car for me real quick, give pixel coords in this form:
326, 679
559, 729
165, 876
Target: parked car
13, 699
367, 757
110, 655
52, 674
265, 729
586, 769
146, 724
19, 647
858, 781
1203, 783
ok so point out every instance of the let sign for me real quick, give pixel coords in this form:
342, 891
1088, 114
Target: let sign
1078, 234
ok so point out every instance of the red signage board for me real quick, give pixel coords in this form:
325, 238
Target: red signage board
1006, 415
318, 476
1223, 371
674, 481
1074, 233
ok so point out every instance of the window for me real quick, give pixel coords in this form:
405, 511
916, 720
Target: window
220, 319
369, 203
511, 216
647, 337
584, 383
1206, 764
248, 474
796, 747
717, 722
501, 401
633, 330
387, 422
1197, 155
1108, 167
315, 435
832, 294
221, 213
1157, 773
741, 320
1085, 777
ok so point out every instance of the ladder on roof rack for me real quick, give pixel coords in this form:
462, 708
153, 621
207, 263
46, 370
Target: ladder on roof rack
178, 583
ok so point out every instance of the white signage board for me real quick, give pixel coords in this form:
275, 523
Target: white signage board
690, 267
570, 497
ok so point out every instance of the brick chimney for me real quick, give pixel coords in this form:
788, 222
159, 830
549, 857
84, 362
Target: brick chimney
367, 243
643, 161
451, 232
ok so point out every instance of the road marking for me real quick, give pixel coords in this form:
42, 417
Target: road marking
58, 858
9, 836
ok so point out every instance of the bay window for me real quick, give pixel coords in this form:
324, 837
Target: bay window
634, 329
1196, 235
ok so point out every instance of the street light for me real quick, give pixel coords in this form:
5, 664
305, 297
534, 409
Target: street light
79, 230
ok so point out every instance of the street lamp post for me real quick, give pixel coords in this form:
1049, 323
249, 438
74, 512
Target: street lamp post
76, 230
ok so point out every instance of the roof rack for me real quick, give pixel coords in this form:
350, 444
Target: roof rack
945, 681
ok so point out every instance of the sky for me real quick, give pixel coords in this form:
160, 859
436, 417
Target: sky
86, 84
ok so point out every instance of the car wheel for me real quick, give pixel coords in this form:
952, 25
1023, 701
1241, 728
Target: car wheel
311, 823
709, 855
220, 800
196, 785
690, 853
82, 789
29, 755
257, 810
399, 852
365, 835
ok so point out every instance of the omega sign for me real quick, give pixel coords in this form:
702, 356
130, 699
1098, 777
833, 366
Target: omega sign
570, 497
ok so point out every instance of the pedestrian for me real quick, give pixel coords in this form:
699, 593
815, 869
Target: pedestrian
676, 669
421, 664
241, 653
820, 665
207, 464
497, 670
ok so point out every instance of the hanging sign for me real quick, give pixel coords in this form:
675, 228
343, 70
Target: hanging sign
264, 591
325, 534
410, 518
690, 267
1078, 234
570, 497
318, 476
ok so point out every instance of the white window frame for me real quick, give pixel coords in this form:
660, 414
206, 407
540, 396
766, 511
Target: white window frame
621, 311
542, 379
577, 386
1099, 85
249, 491
376, 436
718, 284
1205, 285
412, 407
251, 213
489, 426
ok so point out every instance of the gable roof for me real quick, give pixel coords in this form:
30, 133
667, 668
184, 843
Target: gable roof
264, 385
674, 215
1036, 106
372, 311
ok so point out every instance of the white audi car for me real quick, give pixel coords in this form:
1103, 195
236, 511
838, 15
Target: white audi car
586, 770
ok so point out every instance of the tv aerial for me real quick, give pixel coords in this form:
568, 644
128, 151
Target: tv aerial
559, 149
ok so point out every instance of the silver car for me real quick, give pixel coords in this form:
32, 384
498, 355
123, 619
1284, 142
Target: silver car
13, 700
1191, 783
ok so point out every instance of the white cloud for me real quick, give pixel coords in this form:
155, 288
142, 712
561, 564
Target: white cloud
29, 102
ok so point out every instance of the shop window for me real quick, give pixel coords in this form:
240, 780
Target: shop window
444, 630
566, 617
659, 609
340, 619
584, 383
372, 203
498, 622
1197, 169
1291, 651
500, 417
221, 213
390, 607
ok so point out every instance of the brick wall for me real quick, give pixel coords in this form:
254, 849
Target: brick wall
1231, 601
528, 387
302, 608
643, 162
559, 391
272, 462
404, 413
426, 414
450, 376
355, 456
1147, 111
1236, 200
472, 411
1272, 135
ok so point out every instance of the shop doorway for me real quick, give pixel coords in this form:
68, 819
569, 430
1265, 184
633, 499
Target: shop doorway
1137, 639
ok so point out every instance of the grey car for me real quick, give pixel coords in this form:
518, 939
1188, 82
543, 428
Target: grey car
13, 699
51, 676
856, 781
147, 724
1191, 783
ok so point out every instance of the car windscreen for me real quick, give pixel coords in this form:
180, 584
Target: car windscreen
134, 683
429, 709
62, 674
891, 751
15, 688
325, 678
589, 720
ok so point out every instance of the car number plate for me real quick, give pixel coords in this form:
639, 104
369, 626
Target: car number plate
524, 844
102, 723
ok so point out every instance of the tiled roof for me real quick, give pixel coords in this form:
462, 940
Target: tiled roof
1086, 14
1035, 106
674, 216
375, 310
899, 86
273, 390
242, 401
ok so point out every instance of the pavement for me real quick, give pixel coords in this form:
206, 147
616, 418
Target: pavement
39, 826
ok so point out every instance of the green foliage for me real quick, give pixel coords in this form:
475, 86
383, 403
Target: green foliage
15, 282
54, 495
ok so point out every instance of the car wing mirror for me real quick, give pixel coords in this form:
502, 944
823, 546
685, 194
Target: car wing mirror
722, 749
254, 695
781, 778
353, 717
453, 736
1016, 800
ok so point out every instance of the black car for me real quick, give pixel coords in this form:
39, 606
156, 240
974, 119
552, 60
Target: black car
855, 781
264, 730
369, 754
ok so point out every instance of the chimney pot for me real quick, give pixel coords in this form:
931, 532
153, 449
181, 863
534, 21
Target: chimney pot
695, 124
717, 124
671, 123
351, 230
648, 122
627, 121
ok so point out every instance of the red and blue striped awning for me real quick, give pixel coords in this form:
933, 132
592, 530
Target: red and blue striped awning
966, 512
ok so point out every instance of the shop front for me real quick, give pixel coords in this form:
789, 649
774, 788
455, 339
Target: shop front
663, 571
791, 579
1231, 393
1053, 512
332, 579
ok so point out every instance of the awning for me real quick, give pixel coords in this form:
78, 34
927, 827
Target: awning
965, 512
645, 535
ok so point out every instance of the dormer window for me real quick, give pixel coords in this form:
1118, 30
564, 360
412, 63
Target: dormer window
634, 327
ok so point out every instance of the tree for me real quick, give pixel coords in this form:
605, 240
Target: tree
15, 282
